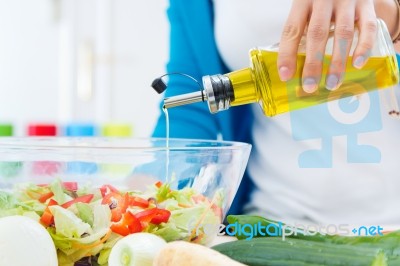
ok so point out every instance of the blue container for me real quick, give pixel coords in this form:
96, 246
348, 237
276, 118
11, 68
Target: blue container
80, 130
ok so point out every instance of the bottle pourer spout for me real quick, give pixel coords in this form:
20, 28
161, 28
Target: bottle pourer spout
183, 99
217, 92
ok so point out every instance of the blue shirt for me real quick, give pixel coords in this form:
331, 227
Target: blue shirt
193, 51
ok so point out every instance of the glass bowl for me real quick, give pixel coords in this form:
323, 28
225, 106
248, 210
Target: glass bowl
182, 192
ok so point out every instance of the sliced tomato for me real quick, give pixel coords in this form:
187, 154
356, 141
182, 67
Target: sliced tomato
106, 189
83, 199
129, 224
154, 216
43, 198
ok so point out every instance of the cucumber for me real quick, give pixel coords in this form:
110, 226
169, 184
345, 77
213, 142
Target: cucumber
344, 250
292, 252
390, 242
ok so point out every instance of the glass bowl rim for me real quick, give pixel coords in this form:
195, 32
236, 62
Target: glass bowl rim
106, 143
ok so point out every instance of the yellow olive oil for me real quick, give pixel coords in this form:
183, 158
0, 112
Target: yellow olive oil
165, 110
261, 82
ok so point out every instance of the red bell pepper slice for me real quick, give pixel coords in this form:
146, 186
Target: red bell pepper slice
129, 224
83, 199
154, 216
71, 186
106, 189
133, 223
161, 216
52, 202
43, 198
47, 217
117, 204
136, 201
120, 229
116, 215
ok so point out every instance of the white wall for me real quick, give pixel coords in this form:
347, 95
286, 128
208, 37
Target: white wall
28, 60
142, 56
52, 52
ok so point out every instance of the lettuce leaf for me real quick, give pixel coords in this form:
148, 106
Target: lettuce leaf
67, 224
7, 200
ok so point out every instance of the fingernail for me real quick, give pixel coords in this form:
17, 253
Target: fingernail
359, 62
332, 82
284, 73
309, 85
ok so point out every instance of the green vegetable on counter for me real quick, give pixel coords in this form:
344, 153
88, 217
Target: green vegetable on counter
301, 249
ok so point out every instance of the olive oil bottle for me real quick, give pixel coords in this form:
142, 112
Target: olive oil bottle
261, 83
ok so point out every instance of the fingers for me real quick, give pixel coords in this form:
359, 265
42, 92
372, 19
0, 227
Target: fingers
290, 39
319, 14
317, 36
367, 25
343, 37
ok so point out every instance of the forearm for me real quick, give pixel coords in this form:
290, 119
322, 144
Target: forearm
388, 11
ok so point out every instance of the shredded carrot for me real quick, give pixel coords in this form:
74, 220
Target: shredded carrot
193, 233
99, 242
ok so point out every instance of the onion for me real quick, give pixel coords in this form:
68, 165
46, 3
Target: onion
137, 249
24, 241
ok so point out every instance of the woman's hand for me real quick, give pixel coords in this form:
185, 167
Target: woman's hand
316, 17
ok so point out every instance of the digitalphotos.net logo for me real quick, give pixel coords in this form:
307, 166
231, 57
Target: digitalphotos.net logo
279, 229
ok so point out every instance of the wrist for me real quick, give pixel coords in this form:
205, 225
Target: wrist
389, 11
396, 36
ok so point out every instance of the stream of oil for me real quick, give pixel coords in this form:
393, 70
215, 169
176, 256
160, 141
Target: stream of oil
165, 110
